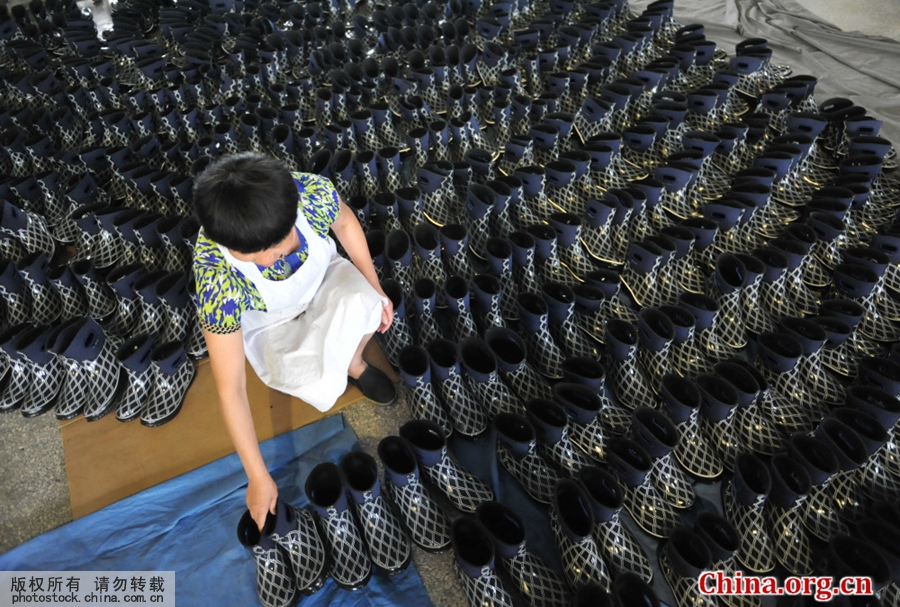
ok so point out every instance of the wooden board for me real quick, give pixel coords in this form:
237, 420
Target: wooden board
108, 460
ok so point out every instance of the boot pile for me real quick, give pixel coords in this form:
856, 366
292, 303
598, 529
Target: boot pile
96, 312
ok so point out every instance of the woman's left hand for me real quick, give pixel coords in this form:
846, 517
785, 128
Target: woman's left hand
387, 315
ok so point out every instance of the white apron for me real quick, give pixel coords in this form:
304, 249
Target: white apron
302, 345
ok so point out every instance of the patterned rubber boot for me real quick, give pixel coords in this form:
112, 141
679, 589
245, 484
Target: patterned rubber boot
820, 517
779, 357
684, 356
533, 579
409, 203
797, 292
554, 433
583, 405
399, 255
501, 222
475, 564
722, 540
560, 301
464, 490
751, 428
682, 559
545, 354
399, 335
439, 206
88, 353
415, 373
511, 354
726, 287
15, 369
755, 319
424, 302
629, 380
640, 273
880, 477
295, 531
657, 333
596, 233
179, 311
632, 465
720, 402
517, 452
525, 271
773, 290
547, 260
682, 402
878, 262
487, 302
151, 320
745, 505
860, 283
29, 228
456, 294
703, 260
327, 493
121, 281
836, 355
683, 273
499, 253
480, 201
572, 521
275, 585
592, 374
571, 253
388, 545
653, 431
706, 311
72, 295
423, 519
852, 454
46, 303
46, 372
173, 373
630, 589
790, 539
134, 358
15, 295
455, 241
821, 390
617, 544
427, 249
387, 212
728, 216
480, 370
853, 556
886, 538
466, 413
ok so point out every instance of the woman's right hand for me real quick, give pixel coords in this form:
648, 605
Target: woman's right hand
262, 495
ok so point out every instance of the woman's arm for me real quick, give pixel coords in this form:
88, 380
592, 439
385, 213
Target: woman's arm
226, 358
349, 233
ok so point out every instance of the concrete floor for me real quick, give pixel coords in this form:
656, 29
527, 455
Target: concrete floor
33, 491
872, 17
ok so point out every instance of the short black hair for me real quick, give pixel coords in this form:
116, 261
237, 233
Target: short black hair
246, 202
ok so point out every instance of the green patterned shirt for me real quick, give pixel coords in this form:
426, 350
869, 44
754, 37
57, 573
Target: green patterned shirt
224, 293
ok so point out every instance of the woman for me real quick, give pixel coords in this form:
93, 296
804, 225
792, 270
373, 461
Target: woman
272, 288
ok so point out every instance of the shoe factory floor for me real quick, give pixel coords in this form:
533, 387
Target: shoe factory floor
33, 484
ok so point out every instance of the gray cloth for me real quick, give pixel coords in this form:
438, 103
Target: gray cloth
864, 69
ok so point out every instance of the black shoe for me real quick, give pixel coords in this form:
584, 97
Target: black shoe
376, 386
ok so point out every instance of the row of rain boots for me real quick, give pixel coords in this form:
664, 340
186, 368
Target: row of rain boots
73, 369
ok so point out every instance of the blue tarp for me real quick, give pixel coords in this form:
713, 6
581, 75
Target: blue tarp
188, 525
